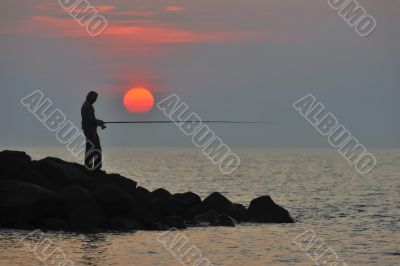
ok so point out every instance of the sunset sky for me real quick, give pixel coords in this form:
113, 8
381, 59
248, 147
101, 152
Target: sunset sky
227, 59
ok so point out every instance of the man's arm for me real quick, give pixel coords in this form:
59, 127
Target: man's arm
101, 123
90, 117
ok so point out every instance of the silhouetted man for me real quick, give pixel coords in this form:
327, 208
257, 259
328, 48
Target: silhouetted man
93, 154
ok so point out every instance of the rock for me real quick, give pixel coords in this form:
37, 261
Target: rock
145, 196
103, 179
239, 212
115, 202
174, 221
125, 224
77, 200
180, 203
23, 205
57, 195
55, 224
224, 220
207, 217
61, 174
161, 195
10, 157
216, 202
85, 218
188, 199
215, 219
17, 166
265, 210
159, 226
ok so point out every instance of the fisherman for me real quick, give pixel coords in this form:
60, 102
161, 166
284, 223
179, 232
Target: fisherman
93, 153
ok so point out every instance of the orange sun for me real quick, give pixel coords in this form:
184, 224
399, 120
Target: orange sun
138, 100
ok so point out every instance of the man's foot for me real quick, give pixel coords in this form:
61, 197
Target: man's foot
99, 171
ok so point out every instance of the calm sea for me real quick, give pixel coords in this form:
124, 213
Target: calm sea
355, 216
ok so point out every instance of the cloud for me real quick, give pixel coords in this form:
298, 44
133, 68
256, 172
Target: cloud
133, 32
174, 9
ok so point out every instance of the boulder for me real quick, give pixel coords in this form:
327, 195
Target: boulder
11, 157
265, 210
239, 212
224, 220
124, 224
77, 200
23, 205
215, 219
214, 202
103, 179
207, 217
55, 224
57, 195
85, 218
180, 203
18, 166
115, 202
174, 221
161, 195
61, 174
145, 196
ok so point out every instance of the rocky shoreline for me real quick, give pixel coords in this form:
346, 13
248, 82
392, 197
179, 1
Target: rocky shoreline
52, 194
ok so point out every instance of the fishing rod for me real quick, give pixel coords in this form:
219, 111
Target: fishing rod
193, 121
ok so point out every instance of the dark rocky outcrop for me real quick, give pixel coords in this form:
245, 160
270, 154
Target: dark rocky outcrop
265, 210
57, 195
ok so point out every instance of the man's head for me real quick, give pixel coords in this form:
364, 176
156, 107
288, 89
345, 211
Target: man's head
92, 97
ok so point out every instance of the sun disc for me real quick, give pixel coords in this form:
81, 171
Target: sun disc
138, 100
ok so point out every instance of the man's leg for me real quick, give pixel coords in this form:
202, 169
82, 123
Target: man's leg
98, 156
89, 154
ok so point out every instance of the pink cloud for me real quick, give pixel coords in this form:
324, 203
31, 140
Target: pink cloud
174, 8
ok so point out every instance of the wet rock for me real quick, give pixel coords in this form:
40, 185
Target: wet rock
77, 201
85, 218
180, 203
265, 210
124, 224
145, 196
103, 179
61, 174
24, 205
10, 157
174, 221
239, 212
161, 195
54, 223
58, 195
214, 202
224, 220
114, 201
207, 217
